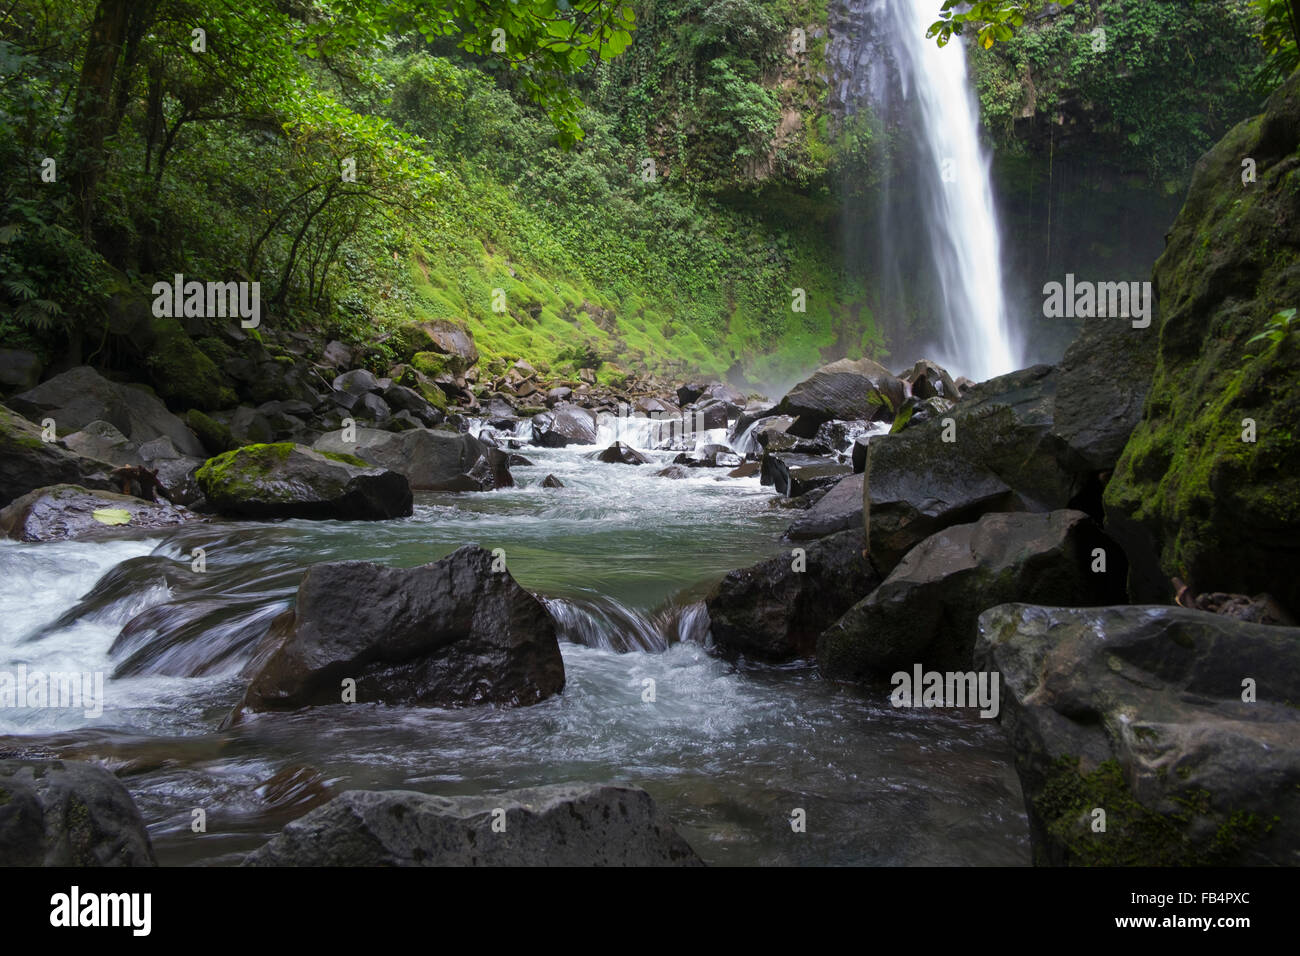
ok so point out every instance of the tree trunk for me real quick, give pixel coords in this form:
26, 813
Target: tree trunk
1294, 7
93, 110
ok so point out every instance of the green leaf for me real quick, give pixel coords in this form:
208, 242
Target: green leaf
112, 516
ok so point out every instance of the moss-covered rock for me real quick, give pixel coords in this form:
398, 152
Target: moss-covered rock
1190, 497
28, 463
215, 436
181, 372
1134, 742
285, 480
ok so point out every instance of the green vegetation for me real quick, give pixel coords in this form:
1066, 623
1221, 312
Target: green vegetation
466, 205
1104, 74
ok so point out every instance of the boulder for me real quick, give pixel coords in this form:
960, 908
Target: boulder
561, 393
927, 379
81, 395
28, 463
1189, 496
1002, 457
336, 355
1101, 386
442, 337
713, 414
917, 411
559, 825
20, 370
62, 813
550, 481
492, 471
839, 509
179, 370
775, 610
620, 454
448, 634
64, 512
845, 390
356, 382
103, 441
795, 474
564, 424
925, 611
686, 394
430, 459
293, 481
675, 472
1139, 711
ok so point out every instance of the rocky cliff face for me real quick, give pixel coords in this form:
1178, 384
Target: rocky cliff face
1208, 488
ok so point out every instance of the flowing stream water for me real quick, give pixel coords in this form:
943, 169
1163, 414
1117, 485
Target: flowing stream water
622, 559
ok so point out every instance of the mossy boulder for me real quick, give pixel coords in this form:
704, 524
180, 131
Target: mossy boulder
181, 372
28, 463
285, 480
1190, 497
215, 436
1139, 712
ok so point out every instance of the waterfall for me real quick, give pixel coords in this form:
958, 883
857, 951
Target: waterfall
960, 219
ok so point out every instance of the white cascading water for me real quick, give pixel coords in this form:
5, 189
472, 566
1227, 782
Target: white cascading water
962, 221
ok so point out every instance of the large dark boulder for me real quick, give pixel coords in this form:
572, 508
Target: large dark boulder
451, 633
61, 813
559, 825
292, 481
1138, 711
847, 390
81, 395
430, 459
564, 424
839, 509
64, 512
1189, 496
1003, 456
1101, 384
27, 462
774, 610
925, 611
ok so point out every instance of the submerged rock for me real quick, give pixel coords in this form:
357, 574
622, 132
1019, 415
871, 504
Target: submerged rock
452, 633
61, 813
293, 481
550, 481
926, 610
1139, 711
559, 825
775, 610
621, 454
64, 512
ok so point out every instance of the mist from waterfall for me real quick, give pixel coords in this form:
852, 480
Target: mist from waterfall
957, 195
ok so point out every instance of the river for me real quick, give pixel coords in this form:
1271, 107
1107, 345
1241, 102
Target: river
622, 558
